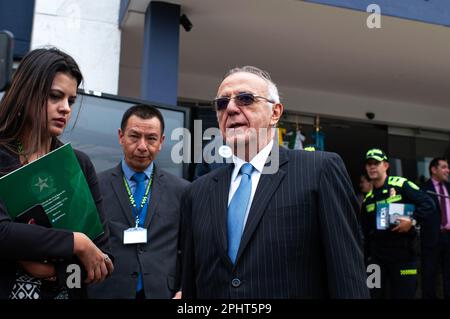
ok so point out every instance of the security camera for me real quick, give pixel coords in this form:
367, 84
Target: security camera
370, 115
186, 23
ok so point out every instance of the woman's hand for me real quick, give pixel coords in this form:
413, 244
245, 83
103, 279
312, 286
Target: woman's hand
96, 263
178, 295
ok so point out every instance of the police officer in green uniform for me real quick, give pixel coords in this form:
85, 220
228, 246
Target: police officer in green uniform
393, 249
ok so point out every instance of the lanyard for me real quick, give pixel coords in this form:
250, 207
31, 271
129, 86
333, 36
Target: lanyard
137, 212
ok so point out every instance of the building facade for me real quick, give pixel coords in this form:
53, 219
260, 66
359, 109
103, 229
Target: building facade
373, 75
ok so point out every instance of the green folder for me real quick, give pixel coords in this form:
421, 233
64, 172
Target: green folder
56, 182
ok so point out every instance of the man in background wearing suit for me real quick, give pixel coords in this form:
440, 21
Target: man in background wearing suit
142, 203
253, 232
435, 232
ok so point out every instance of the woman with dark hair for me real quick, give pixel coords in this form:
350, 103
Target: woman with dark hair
33, 113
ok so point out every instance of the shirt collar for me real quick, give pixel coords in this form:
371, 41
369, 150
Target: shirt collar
435, 182
258, 162
129, 172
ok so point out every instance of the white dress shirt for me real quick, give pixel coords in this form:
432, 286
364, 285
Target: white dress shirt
258, 163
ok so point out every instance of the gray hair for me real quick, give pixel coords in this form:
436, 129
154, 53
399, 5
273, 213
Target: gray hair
272, 89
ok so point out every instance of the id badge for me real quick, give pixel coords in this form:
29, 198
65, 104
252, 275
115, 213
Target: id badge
135, 235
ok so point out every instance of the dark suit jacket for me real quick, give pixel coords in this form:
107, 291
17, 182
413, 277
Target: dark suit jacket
159, 257
431, 226
35, 243
301, 238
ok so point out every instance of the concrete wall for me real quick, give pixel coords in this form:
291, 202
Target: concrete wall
87, 30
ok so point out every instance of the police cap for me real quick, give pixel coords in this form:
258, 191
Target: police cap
376, 154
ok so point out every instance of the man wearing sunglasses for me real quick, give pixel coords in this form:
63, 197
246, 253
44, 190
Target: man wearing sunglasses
253, 232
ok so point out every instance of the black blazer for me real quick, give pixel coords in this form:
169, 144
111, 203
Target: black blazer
301, 239
159, 258
431, 226
34, 243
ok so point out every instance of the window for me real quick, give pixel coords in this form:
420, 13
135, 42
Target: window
96, 131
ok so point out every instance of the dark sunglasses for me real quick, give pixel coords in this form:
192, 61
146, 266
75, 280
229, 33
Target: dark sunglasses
241, 99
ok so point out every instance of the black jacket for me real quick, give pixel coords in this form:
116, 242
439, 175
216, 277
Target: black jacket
158, 258
34, 243
385, 244
429, 233
301, 238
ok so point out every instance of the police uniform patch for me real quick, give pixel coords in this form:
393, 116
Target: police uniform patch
392, 192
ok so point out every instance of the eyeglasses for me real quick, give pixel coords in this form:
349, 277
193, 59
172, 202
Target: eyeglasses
241, 99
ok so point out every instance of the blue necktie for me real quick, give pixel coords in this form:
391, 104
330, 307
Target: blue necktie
237, 209
140, 179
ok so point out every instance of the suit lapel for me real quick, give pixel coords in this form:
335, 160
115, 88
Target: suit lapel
430, 187
219, 206
157, 193
267, 185
121, 194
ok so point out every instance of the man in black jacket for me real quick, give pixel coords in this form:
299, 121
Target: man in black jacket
142, 203
435, 233
254, 230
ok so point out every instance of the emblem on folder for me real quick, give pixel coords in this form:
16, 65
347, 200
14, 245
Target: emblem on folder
42, 184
